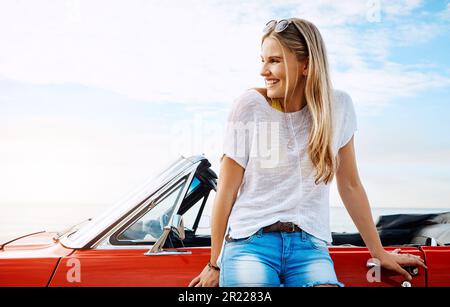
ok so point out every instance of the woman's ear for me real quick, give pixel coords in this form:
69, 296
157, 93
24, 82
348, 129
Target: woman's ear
305, 67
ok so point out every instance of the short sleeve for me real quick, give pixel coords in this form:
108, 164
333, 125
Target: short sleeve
239, 130
350, 122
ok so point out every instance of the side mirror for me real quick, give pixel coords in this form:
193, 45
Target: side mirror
177, 227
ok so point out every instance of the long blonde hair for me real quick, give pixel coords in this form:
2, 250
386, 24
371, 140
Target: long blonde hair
303, 39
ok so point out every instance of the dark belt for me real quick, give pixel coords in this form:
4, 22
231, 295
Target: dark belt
282, 226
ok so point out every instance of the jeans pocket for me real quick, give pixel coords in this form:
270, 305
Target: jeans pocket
317, 243
230, 240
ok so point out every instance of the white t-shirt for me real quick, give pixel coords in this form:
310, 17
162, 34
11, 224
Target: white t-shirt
278, 183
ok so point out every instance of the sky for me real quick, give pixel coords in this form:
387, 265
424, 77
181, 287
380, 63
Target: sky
97, 96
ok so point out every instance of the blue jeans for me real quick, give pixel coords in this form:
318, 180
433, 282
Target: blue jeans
273, 259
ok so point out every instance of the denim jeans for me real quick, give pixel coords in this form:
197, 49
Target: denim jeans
273, 259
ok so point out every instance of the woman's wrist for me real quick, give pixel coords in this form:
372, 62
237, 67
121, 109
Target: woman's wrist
378, 253
213, 266
212, 261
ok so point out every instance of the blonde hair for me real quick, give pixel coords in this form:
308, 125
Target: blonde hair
303, 39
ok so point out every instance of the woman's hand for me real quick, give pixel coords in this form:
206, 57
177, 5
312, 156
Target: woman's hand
394, 261
207, 278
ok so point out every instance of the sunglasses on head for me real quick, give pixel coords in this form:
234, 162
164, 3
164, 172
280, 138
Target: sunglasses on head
279, 26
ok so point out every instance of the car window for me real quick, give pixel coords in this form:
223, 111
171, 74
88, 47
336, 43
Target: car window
150, 226
194, 185
190, 216
204, 225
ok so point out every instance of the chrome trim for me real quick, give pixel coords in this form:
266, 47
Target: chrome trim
414, 271
177, 222
124, 247
406, 284
117, 212
432, 241
139, 247
167, 253
175, 225
105, 243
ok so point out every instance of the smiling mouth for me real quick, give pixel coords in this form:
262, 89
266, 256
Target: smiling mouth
271, 83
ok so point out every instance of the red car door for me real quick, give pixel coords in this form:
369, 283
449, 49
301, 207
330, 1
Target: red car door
133, 268
438, 263
351, 268
130, 267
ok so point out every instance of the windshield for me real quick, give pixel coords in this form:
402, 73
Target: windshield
131, 199
151, 225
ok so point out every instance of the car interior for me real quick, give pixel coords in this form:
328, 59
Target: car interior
405, 230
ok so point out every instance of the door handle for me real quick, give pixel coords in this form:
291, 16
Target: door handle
413, 270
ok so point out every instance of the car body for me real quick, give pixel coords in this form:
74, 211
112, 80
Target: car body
144, 241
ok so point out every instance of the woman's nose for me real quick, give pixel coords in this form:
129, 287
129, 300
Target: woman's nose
264, 71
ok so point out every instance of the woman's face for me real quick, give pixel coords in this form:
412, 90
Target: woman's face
273, 69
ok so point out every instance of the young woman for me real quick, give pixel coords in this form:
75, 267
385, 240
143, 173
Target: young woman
276, 229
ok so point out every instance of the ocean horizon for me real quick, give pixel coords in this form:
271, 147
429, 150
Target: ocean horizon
21, 219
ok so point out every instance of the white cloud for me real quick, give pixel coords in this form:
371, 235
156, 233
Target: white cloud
188, 51
376, 87
445, 13
400, 8
416, 33
145, 50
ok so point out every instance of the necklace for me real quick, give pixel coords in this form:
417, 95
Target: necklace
292, 139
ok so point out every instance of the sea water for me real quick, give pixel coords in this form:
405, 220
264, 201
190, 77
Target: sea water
19, 219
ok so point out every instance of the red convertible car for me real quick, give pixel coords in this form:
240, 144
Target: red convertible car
146, 241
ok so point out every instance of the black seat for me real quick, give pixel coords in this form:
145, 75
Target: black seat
404, 229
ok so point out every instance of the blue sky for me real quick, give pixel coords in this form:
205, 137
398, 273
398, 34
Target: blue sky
96, 95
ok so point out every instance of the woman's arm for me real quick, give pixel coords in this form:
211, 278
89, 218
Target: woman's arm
356, 202
230, 179
231, 175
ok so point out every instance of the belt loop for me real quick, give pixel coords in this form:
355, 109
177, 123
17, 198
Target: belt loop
292, 227
303, 234
227, 233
